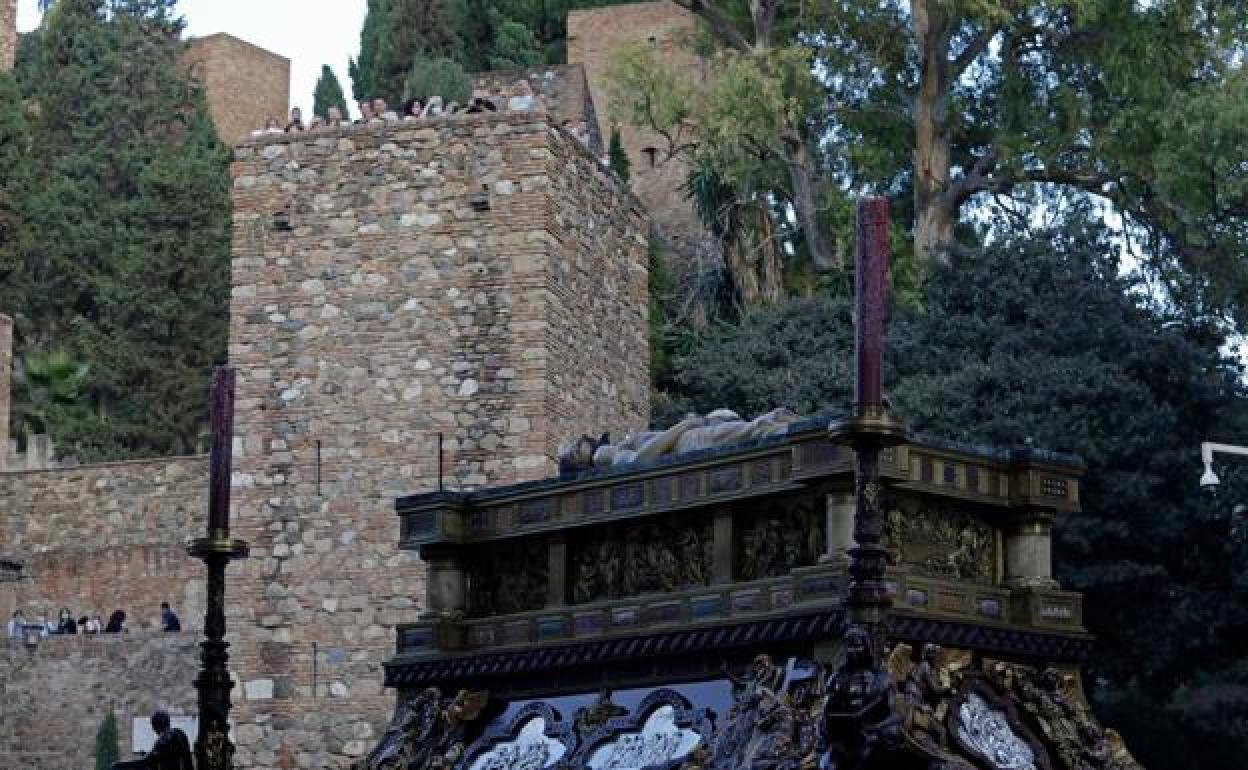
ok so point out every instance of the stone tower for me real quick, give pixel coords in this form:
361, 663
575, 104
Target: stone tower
8, 34
593, 35
243, 84
476, 282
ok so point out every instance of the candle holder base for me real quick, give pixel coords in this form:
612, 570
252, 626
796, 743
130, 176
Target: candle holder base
218, 545
869, 426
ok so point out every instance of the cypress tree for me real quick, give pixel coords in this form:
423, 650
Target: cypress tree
617, 159
106, 750
125, 246
328, 93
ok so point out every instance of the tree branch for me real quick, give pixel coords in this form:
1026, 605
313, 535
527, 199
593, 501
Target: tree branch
719, 22
974, 48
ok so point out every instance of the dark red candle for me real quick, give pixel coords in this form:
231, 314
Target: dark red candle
871, 294
221, 416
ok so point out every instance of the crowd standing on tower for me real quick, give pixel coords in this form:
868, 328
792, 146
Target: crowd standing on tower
65, 624
519, 98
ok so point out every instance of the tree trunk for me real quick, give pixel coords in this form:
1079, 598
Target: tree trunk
934, 217
806, 203
770, 263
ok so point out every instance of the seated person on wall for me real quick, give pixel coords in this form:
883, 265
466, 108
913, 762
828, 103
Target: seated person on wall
335, 118
116, 622
67, 624
171, 751
522, 97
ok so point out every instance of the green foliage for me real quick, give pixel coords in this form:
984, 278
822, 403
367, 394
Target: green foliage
395, 36
106, 750
513, 46
120, 253
438, 77
1044, 102
617, 159
49, 391
328, 93
479, 35
1040, 340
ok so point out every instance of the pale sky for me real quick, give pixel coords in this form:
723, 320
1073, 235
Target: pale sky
308, 32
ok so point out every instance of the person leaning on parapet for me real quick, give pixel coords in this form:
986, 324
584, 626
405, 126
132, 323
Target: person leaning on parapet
17, 625
382, 112
67, 624
296, 120
116, 622
366, 111
522, 97
480, 103
335, 118
171, 751
168, 618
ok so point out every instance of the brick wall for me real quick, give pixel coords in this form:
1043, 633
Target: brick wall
593, 35
378, 300
103, 537
8, 34
56, 696
244, 84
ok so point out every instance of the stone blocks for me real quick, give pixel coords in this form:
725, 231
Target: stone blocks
380, 310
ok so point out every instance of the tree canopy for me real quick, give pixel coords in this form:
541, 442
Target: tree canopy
1040, 339
117, 260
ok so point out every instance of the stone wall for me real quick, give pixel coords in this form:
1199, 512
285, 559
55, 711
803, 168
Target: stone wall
244, 84
56, 696
593, 36
6, 372
8, 34
103, 537
478, 277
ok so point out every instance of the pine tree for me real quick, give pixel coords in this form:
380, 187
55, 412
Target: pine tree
106, 750
328, 93
395, 34
617, 159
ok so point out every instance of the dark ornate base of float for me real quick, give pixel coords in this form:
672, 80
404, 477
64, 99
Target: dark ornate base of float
942, 708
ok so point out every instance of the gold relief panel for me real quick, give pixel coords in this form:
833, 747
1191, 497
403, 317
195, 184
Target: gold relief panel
937, 539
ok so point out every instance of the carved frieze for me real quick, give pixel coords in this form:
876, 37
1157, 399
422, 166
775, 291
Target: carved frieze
783, 536
640, 558
509, 577
940, 540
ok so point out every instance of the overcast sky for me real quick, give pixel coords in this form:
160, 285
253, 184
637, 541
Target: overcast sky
308, 32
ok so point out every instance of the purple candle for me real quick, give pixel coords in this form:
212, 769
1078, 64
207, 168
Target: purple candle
221, 416
871, 292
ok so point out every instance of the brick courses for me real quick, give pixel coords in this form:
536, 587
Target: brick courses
593, 35
243, 83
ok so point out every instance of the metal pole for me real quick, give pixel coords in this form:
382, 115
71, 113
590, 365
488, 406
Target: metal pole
213, 749
314, 662
870, 428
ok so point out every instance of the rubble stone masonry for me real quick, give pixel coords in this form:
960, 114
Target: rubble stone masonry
56, 696
8, 34
102, 537
481, 277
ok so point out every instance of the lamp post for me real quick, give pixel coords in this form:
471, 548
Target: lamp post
213, 749
870, 428
1207, 450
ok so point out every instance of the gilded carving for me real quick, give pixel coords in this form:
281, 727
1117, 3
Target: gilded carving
511, 578
939, 541
427, 732
774, 542
643, 558
1052, 702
